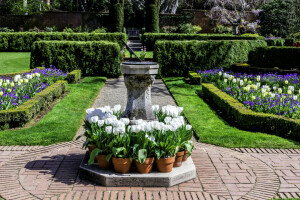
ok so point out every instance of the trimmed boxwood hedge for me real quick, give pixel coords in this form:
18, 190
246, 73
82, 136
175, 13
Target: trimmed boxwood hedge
74, 76
149, 39
99, 58
270, 57
22, 41
246, 119
25, 112
194, 77
177, 58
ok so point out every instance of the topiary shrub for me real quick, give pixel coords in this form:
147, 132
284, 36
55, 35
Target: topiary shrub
149, 39
177, 58
152, 16
99, 58
116, 15
22, 41
270, 57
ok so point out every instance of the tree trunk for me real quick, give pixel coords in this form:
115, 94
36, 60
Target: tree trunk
235, 29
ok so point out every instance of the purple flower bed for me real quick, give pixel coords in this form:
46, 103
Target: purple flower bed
21, 88
268, 93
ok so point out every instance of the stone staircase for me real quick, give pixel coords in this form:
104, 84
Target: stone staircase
135, 45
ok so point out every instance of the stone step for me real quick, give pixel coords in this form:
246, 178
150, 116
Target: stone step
133, 41
135, 45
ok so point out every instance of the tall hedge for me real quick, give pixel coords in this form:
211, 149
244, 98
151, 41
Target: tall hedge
281, 57
152, 16
116, 15
22, 41
149, 39
99, 58
177, 58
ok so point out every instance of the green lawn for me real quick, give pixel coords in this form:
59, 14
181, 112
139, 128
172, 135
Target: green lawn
14, 62
210, 128
149, 54
63, 121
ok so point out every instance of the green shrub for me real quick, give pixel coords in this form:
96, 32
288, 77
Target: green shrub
270, 57
5, 29
177, 58
275, 42
26, 111
116, 15
152, 16
249, 120
222, 29
149, 39
22, 41
195, 78
99, 58
74, 76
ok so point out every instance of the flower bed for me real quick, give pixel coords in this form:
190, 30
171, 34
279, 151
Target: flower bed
267, 93
111, 138
19, 89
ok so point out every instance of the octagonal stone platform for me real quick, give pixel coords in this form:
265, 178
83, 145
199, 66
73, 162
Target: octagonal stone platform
133, 179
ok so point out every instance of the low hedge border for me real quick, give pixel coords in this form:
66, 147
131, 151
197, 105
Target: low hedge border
246, 68
18, 117
149, 39
22, 41
74, 76
246, 119
274, 56
194, 77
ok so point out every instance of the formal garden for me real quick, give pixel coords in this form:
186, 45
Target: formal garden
121, 99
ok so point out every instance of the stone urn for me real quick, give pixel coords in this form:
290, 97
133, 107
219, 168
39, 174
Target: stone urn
139, 77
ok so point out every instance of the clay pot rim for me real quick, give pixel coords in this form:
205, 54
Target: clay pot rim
150, 161
121, 160
180, 153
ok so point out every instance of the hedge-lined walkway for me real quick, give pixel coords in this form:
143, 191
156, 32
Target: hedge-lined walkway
51, 172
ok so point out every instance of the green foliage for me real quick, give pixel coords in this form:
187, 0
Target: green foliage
270, 57
210, 128
22, 41
275, 42
64, 118
247, 119
177, 58
99, 58
195, 78
152, 16
5, 29
116, 15
25, 112
99, 30
17, 7
74, 76
275, 18
149, 39
189, 29
222, 29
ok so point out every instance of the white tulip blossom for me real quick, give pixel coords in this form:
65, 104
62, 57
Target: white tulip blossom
108, 129
295, 97
94, 119
155, 108
188, 127
126, 121
100, 123
17, 77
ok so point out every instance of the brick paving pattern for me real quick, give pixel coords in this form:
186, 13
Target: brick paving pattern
52, 173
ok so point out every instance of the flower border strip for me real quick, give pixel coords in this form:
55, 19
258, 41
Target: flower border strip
12, 74
74, 76
25, 112
249, 120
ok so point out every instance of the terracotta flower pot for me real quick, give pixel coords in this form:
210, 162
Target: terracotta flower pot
103, 164
121, 165
146, 167
165, 165
186, 155
178, 159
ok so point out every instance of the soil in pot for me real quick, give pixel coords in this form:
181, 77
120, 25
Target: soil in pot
121, 165
103, 164
178, 159
186, 155
165, 165
146, 167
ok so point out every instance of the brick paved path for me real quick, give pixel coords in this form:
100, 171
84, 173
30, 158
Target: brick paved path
52, 173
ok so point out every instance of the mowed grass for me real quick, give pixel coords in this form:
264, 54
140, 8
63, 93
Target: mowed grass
63, 121
14, 62
212, 129
149, 54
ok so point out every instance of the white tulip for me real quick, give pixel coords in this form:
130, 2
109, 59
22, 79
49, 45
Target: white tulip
90, 110
155, 108
94, 119
126, 121
108, 121
100, 123
168, 120
108, 129
188, 127
295, 98
7, 81
37, 74
220, 73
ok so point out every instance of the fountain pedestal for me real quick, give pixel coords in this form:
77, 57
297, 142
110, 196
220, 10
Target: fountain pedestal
139, 77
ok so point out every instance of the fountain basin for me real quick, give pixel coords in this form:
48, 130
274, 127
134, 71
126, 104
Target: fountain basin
141, 68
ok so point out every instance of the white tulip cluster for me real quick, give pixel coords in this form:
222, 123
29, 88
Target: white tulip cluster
172, 111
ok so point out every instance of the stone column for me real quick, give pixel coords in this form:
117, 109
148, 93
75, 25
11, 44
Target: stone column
139, 105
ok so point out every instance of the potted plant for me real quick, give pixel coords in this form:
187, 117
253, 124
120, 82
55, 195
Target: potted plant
166, 150
183, 136
143, 152
120, 153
